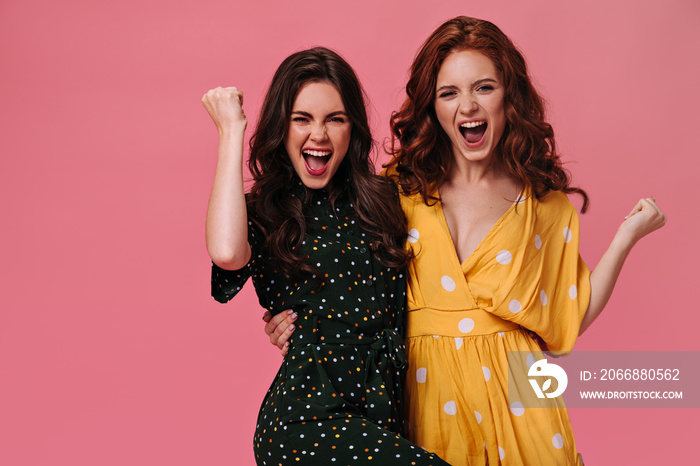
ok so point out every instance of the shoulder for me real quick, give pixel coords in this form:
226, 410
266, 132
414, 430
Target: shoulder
555, 209
555, 202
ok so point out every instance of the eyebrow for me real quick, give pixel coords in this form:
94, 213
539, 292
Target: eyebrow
308, 115
474, 84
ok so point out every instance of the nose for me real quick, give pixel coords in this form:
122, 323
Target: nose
468, 104
318, 132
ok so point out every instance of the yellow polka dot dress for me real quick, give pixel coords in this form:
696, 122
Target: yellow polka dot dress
463, 319
337, 398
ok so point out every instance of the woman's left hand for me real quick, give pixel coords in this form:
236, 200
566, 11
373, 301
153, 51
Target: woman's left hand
644, 218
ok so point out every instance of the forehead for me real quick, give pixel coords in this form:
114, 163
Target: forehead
466, 65
318, 97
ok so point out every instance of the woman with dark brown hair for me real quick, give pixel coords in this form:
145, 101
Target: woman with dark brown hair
322, 234
495, 245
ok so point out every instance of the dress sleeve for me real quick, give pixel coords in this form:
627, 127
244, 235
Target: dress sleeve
563, 279
225, 284
540, 279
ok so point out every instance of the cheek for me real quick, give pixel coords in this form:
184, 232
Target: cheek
341, 139
443, 116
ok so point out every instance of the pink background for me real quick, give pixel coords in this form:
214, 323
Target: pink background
112, 351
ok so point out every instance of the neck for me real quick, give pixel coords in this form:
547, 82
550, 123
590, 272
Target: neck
473, 172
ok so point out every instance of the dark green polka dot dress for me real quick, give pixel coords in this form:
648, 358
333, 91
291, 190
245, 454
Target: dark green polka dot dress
337, 396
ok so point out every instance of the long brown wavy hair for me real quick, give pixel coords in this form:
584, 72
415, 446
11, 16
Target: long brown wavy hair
280, 215
422, 152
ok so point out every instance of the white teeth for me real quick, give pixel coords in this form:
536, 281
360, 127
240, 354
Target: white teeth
317, 153
472, 124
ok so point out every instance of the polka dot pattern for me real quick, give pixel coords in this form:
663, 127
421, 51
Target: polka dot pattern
413, 235
337, 395
567, 234
518, 278
466, 325
504, 257
448, 283
450, 408
558, 441
517, 408
515, 306
530, 360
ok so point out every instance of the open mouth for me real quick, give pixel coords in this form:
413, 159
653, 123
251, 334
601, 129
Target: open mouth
316, 160
473, 131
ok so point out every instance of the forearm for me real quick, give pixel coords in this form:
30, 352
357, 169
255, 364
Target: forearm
604, 277
227, 220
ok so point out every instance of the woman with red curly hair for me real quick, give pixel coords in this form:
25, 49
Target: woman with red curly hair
495, 241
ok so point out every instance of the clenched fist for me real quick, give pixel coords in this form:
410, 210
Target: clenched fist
225, 106
644, 218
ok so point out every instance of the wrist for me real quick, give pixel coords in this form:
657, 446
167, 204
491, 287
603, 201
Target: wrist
232, 132
623, 242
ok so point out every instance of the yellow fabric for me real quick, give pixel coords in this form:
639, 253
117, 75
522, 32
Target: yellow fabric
463, 319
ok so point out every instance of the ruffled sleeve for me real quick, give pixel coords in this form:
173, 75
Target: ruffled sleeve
225, 284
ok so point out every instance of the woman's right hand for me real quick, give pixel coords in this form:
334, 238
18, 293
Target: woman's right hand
225, 106
280, 328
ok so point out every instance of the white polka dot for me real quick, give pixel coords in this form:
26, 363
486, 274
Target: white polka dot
558, 441
413, 235
517, 408
515, 306
530, 360
573, 292
458, 342
500, 334
504, 257
421, 374
501, 453
543, 298
466, 325
450, 408
567, 234
478, 417
448, 283
538, 242
520, 199
487, 373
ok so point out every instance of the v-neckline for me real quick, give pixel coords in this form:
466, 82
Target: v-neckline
522, 196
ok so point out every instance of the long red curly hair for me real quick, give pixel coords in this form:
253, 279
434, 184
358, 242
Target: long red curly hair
422, 152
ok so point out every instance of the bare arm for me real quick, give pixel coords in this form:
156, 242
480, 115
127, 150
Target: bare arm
644, 218
227, 220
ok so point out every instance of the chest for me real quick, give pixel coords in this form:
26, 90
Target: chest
470, 216
348, 281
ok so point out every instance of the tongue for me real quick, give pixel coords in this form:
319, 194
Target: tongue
317, 163
474, 134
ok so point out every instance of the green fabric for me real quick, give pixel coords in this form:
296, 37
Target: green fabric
346, 355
